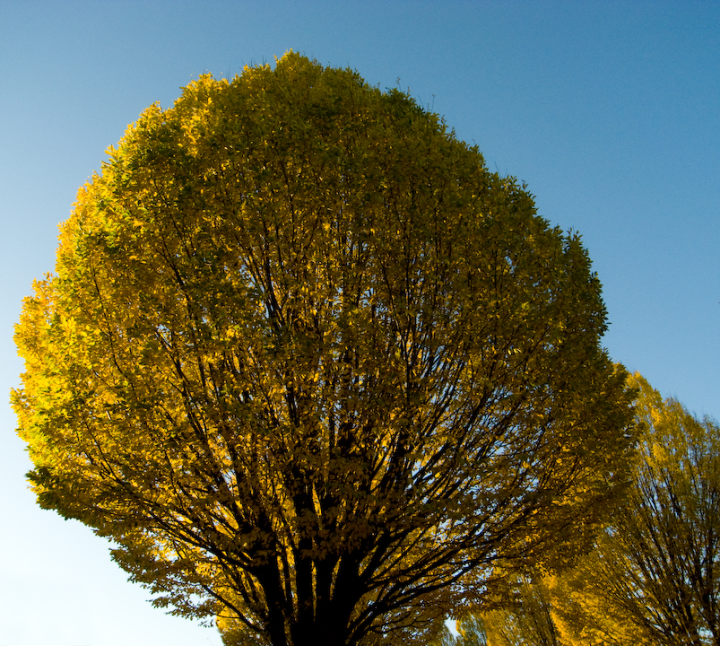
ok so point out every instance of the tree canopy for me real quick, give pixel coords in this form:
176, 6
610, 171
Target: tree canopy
313, 369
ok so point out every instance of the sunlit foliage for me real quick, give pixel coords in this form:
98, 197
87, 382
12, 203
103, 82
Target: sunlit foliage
313, 368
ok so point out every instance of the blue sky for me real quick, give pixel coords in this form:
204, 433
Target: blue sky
610, 111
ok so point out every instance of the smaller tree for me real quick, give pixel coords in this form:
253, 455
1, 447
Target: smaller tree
528, 619
470, 632
523, 618
582, 617
654, 576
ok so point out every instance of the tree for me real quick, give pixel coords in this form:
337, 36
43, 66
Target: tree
528, 619
582, 617
471, 632
655, 572
315, 370
524, 616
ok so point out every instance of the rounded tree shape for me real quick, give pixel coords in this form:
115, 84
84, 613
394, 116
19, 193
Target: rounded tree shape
313, 368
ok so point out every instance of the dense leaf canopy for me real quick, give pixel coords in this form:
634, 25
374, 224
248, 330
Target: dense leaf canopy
312, 368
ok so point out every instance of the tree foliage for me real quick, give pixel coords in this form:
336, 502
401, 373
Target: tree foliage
312, 368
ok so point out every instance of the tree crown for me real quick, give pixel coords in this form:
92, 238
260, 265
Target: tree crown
308, 363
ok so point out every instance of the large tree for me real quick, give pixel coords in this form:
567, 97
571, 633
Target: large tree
312, 368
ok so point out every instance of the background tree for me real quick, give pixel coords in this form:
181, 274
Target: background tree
526, 619
470, 632
582, 617
652, 576
656, 570
313, 368
524, 616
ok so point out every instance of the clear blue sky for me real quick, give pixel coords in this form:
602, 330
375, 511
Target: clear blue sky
610, 111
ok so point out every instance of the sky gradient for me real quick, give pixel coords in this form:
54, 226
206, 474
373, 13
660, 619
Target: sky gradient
610, 111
